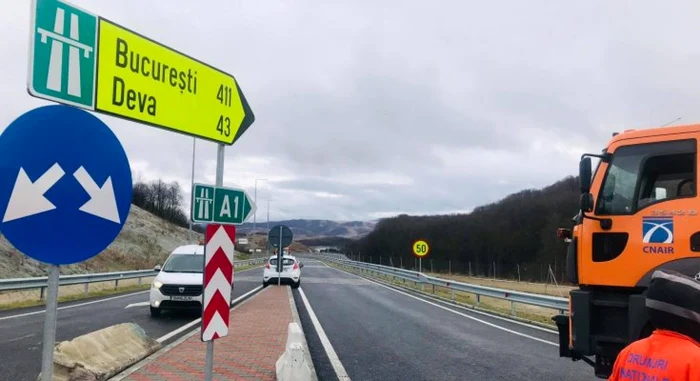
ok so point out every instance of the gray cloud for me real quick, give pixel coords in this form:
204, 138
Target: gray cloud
365, 109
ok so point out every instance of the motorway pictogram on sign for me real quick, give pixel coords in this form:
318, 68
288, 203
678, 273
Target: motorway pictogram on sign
218, 278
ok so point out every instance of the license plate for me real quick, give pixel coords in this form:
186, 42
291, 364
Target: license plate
177, 297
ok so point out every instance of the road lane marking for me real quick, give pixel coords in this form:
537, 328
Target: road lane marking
474, 311
139, 304
465, 315
74, 305
94, 301
21, 337
332, 356
194, 322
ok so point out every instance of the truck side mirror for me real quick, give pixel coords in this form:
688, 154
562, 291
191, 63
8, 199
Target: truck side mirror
156, 268
584, 174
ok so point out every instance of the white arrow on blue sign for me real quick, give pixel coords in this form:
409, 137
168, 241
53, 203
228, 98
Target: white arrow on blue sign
65, 185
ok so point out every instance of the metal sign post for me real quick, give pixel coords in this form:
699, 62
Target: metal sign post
279, 260
209, 364
280, 237
50, 325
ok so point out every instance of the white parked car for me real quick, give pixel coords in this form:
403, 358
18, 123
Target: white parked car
291, 271
179, 283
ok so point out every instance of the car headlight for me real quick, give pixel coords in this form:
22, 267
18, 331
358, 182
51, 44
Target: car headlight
157, 284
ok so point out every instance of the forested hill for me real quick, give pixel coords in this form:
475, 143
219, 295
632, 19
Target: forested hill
516, 232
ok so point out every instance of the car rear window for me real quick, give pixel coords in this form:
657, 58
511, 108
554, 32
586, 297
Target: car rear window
285, 261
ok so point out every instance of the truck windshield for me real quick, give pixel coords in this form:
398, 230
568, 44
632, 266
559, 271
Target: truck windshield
643, 174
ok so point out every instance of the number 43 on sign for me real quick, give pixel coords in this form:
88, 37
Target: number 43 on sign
224, 96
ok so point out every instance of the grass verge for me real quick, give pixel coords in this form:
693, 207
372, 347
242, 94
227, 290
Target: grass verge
69, 298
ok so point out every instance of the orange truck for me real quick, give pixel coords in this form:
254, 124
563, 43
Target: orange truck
638, 213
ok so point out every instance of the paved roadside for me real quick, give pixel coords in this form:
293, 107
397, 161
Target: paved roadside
257, 338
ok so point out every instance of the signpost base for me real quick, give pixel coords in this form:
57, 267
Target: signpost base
50, 325
209, 365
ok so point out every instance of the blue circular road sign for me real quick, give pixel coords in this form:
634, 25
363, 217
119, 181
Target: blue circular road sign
280, 231
65, 184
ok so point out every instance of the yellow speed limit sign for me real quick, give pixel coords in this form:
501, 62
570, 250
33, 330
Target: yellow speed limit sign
420, 248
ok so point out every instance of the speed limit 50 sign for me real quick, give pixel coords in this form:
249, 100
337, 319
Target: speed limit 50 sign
421, 248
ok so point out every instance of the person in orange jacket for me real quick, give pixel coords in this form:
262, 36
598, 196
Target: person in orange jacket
672, 352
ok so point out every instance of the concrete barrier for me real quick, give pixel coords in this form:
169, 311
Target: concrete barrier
292, 366
101, 354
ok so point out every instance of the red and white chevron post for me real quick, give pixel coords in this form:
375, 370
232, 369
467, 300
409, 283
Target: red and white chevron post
218, 278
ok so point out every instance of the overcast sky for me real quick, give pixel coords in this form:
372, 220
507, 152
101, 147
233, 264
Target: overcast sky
367, 109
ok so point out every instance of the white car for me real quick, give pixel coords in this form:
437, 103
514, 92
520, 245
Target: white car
179, 283
291, 271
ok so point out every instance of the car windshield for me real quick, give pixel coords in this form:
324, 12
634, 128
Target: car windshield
285, 261
184, 263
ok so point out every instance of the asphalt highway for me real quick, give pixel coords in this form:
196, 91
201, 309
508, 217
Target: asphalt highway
381, 334
21, 330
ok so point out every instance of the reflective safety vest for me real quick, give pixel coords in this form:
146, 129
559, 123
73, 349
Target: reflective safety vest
663, 356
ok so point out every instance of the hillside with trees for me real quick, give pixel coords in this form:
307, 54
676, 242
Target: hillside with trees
515, 236
164, 200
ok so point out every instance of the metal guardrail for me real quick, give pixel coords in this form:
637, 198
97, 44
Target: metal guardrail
545, 301
16, 284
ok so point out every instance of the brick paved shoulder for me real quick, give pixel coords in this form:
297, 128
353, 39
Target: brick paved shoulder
257, 338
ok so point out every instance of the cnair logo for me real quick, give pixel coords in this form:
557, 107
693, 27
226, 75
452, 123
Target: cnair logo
657, 229
181, 289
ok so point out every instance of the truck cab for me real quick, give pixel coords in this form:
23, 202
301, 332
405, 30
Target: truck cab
638, 213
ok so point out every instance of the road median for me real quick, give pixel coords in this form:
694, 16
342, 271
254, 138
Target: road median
101, 354
258, 331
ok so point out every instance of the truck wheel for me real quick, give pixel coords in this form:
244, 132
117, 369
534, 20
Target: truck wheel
155, 312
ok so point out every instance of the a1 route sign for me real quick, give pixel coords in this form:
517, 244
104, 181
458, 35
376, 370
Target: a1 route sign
83, 60
220, 205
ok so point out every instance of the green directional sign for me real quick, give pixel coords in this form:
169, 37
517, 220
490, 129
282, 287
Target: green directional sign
63, 53
79, 58
220, 205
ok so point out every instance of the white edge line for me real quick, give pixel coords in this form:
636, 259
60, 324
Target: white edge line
483, 313
446, 303
194, 322
332, 356
96, 301
139, 304
74, 305
465, 315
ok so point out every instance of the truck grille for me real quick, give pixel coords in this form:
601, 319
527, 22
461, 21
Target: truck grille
187, 290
